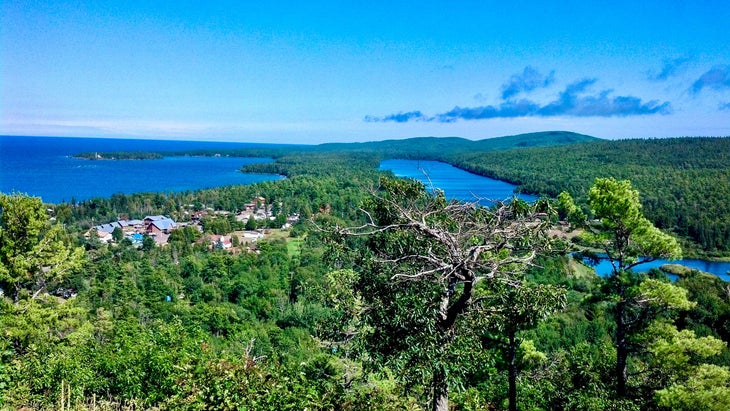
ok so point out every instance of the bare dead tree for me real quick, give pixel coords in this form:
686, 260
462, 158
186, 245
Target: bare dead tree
421, 237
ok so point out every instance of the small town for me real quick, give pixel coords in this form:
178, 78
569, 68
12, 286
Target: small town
159, 227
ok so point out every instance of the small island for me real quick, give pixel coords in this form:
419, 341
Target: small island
682, 271
120, 155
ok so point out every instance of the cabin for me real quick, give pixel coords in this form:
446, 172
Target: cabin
161, 226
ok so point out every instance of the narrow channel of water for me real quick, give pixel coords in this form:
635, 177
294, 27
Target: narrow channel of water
456, 183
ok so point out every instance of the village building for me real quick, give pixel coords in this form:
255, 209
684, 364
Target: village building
105, 237
157, 226
160, 226
220, 242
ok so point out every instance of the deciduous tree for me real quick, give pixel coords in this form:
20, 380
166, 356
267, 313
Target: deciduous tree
516, 307
33, 252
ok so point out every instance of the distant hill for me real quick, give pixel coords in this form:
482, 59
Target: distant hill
426, 148
441, 147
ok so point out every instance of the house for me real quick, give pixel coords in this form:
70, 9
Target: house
198, 215
132, 226
128, 226
107, 228
161, 227
105, 237
220, 242
150, 218
159, 224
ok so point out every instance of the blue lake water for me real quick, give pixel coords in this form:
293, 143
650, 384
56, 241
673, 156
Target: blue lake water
456, 183
720, 269
44, 166
462, 185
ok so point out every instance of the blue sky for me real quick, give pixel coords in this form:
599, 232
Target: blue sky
317, 71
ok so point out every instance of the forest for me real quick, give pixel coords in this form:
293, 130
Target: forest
684, 181
383, 296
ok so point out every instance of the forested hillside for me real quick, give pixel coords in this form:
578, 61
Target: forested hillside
685, 182
381, 297
439, 148
436, 148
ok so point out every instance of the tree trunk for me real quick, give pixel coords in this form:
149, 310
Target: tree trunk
512, 353
440, 388
622, 349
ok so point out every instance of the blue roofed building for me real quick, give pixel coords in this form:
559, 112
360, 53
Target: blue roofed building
159, 224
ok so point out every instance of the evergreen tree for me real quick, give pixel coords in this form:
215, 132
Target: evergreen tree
629, 239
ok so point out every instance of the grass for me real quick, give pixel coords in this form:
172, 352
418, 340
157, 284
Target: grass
294, 246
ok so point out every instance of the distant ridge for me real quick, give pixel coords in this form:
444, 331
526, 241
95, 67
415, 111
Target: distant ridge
439, 147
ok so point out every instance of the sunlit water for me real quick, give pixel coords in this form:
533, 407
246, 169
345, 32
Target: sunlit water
45, 167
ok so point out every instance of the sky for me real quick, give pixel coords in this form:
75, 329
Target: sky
309, 72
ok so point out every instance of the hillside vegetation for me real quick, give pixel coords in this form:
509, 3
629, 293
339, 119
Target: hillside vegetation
322, 319
440, 148
684, 182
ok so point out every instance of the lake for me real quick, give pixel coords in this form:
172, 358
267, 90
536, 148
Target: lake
718, 268
464, 186
457, 184
44, 167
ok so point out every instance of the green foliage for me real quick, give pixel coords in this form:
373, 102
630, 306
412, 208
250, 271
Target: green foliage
422, 259
623, 232
518, 306
250, 224
665, 294
684, 181
567, 210
34, 254
117, 234
691, 384
679, 349
708, 389
328, 321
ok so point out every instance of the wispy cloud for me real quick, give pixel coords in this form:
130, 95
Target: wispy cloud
571, 103
398, 117
717, 78
671, 68
574, 101
509, 109
530, 79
